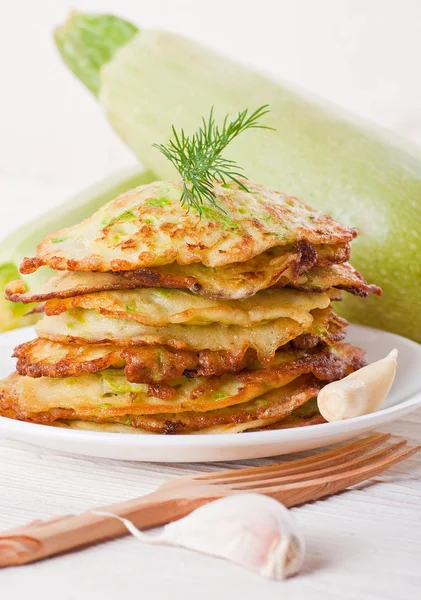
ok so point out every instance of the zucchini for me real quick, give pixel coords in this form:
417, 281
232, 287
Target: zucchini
357, 173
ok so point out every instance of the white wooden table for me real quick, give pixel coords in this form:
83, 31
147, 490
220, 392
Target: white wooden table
362, 544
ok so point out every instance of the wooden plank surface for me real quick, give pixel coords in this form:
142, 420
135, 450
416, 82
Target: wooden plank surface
364, 543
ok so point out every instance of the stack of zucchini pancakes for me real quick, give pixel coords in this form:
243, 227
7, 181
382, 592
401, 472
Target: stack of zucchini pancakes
161, 320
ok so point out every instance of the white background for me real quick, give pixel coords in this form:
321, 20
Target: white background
362, 54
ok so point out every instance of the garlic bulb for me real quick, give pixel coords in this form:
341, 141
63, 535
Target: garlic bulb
359, 393
252, 530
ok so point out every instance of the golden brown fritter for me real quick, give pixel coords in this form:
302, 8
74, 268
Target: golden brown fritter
142, 364
239, 280
235, 281
260, 413
108, 396
247, 426
158, 307
89, 327
148, 226
66, 284
154, 364
274, 410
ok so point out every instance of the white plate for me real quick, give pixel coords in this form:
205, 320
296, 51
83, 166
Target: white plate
404, 397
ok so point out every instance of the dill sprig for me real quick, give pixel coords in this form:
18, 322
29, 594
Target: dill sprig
198, 157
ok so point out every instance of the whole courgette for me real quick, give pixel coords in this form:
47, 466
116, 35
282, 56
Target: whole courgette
338, 165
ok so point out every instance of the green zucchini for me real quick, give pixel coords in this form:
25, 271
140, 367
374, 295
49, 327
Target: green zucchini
336, 163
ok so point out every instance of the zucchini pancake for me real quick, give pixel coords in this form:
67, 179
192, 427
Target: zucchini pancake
166, 320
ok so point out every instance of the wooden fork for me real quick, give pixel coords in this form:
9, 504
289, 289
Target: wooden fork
291, 482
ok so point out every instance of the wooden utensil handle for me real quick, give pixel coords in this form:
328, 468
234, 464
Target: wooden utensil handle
40, 539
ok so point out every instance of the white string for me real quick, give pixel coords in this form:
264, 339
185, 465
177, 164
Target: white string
131, 527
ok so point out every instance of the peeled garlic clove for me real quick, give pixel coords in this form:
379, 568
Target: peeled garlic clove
252, 530
359, 393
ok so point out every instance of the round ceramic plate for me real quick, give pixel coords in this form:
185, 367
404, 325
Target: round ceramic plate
404, 397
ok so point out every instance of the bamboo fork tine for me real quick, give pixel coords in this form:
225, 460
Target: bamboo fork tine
322, 459
261, 483
343, 457
294, 494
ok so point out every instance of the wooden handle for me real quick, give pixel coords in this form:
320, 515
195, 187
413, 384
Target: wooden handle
40, 539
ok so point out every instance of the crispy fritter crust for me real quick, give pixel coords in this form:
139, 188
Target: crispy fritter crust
28, 402
153, 364
247, 426
343, 277
271, 406
261, 424
324, 326
293, 270
264, 413
279, 266
158, 307
148, 226
144, 364
67, 284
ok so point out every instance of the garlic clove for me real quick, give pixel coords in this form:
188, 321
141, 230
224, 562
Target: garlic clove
359, 393
252, 530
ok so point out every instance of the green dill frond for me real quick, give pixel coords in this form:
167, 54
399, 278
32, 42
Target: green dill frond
198, 157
